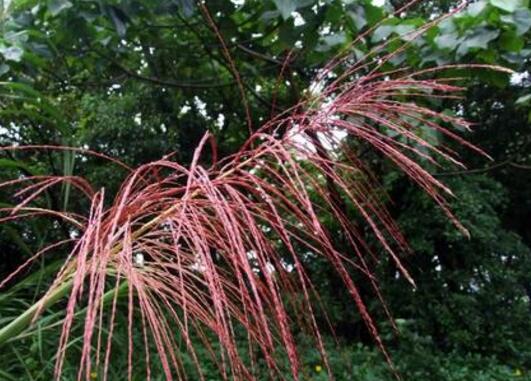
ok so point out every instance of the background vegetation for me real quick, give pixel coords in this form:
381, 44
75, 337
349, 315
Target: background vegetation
139, 79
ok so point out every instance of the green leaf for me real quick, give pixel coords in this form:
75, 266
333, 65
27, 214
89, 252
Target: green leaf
507, 5
335, 39
8, 376
521, 19
478, 39
8, 163
404, 29
286, 7
327, 42
373, 14
476, 8
187, 7
524, 100
4, 69
383, 31
358, 17
12, 53
41, 50
57, 6
16, 37
393, 26
119, 19
511, 42
288, 34
448, 41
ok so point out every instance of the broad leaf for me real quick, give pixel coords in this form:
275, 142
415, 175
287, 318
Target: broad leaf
358, 17
187, 7
507, 5
511, 42
521, 19
524, 100
478, 39
476, 8
12, 53
382, 32
286, 7
119, 19
448, 41
57, 6
4, 69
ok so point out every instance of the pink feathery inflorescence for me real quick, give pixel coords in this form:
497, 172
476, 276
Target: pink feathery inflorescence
220, 247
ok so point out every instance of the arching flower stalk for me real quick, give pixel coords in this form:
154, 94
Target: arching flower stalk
223, 247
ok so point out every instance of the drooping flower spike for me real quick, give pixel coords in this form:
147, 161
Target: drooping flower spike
209, 251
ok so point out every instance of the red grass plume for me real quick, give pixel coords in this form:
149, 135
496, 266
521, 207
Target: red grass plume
217, 248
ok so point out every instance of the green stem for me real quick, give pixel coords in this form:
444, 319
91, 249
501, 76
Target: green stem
23, 320
20, 323
108, 297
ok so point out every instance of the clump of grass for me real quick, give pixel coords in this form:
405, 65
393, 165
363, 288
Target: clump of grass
204, 249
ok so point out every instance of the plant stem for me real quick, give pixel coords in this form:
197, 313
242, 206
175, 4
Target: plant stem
23, 320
